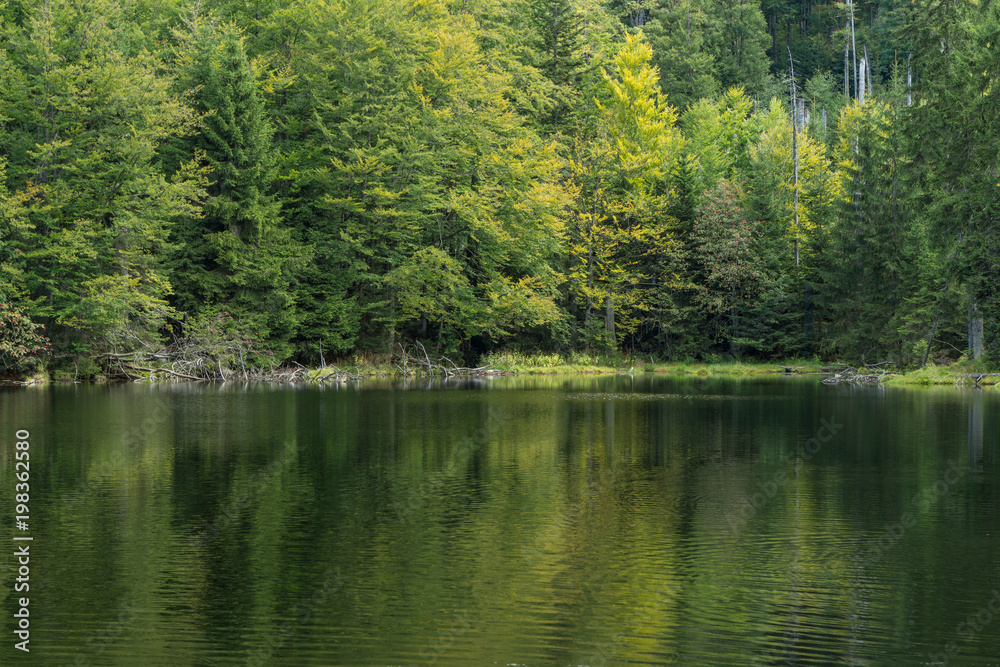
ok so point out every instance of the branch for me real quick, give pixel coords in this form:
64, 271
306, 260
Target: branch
164, 370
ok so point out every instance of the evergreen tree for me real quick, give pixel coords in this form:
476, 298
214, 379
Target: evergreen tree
737, 43
238, 256
677, 33
558, 26
874, 261
954, 128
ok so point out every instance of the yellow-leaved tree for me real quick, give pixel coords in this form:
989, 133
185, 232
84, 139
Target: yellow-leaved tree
623, 245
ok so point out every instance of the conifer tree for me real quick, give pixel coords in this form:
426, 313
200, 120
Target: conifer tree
953, 126
874, 261
677, 32
558, 26
239, 257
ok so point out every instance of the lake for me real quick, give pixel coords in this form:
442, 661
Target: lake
608, 520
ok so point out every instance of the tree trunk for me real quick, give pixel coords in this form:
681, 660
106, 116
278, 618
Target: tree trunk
861, 83
868, 68
807, 314
795, 158
590, 285
734, 321
930, 339
975, 331
854, 46
609, 317
909, 80
937, 315
847, 67
772, 27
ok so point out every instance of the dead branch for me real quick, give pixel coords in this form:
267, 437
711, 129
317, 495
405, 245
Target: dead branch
162, 370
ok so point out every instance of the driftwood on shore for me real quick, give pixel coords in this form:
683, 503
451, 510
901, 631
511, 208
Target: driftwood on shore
193, 362
877, 373
409, 363
873, 374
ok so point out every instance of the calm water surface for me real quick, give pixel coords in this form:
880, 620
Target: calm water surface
517, 521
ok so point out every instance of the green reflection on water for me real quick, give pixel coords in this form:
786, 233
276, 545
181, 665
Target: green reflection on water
535, 521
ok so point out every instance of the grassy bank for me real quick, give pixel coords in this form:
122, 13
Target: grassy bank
575, 363
582, 363
962, 373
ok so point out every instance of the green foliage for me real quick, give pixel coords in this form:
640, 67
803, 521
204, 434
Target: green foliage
825, 98
430, 284
23, 346
84, 117
559, 27
727, 250
877, 246
425, 173
738, 44
954, 128
623, 246
720, 133
678, 35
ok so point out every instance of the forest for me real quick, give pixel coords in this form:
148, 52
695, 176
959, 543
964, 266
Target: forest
304, 180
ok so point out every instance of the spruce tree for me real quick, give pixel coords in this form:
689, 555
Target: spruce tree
558, 27
874, 263
239, 257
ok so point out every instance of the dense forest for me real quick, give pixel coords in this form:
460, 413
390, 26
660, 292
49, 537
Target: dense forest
309, 179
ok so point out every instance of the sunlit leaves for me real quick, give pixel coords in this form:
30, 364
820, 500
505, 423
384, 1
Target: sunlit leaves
421, 149
622, 236
636, 118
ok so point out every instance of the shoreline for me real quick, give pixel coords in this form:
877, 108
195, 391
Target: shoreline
554, 365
